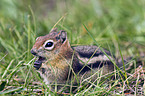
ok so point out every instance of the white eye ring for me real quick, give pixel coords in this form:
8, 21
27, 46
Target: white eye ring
49, 44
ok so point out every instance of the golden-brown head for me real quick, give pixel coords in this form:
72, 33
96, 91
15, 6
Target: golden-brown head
50, 46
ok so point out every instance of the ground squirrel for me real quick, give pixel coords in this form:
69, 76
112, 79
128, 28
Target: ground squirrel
60, 62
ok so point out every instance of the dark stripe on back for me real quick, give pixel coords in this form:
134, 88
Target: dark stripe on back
90, 66
88, 55
88, 51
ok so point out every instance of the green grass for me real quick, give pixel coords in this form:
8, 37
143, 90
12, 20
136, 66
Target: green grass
116, 25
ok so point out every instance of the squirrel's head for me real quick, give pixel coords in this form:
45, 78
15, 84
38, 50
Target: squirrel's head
49, 46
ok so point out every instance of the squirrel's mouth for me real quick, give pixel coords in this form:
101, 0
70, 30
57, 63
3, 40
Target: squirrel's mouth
38, 62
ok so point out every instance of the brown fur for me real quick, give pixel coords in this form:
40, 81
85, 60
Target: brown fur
63, 59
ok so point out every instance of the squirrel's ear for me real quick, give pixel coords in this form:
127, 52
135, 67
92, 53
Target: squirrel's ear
54, 30
63, 36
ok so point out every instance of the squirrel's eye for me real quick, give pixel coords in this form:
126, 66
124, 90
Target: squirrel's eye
49, 45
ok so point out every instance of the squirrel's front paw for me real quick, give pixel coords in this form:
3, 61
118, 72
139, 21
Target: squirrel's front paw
37, 64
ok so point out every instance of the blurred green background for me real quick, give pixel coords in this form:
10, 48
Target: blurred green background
114, 24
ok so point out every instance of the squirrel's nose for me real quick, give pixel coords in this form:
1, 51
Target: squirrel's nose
33, 52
